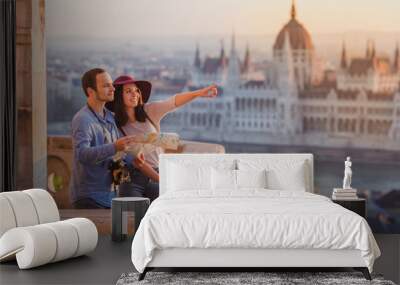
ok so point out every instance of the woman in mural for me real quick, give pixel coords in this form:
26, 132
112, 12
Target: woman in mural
135, 116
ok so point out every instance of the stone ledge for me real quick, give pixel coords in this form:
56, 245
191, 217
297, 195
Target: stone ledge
59, 162
100, 217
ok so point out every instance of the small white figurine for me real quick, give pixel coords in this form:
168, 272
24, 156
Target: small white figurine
347, 174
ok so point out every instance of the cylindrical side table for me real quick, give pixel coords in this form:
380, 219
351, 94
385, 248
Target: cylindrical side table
119, 209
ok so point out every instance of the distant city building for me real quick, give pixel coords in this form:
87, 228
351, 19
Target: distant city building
298, 102
59, 86
371, 73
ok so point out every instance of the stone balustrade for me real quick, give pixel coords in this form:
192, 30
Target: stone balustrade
59, 163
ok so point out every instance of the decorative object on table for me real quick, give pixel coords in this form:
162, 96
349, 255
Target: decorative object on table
248, 278
357, 205
120, 208
346, 193
348, 173
32, 233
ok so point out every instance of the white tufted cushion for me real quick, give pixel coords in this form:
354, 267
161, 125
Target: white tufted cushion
7, 220
87, 233
36, 244
23, 208
45, 205
33, 246
66, 239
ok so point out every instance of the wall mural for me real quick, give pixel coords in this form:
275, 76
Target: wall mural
334, 95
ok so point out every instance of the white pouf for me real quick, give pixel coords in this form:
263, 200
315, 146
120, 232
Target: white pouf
31, 232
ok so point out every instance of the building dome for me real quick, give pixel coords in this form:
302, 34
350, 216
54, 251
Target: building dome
299, 36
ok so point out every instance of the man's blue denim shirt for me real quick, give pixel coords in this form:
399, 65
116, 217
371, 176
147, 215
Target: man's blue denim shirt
93, 140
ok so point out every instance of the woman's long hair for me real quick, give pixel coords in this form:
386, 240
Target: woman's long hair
121, 116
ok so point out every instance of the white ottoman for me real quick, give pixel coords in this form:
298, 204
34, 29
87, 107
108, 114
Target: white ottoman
31, 232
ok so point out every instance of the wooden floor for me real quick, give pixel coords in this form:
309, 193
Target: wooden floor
103, 266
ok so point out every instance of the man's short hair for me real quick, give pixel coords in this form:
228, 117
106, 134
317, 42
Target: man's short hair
89, 79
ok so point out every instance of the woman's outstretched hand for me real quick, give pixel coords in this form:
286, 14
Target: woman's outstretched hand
210, 91
185, 97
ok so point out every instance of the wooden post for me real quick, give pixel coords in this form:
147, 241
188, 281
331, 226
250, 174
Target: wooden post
39, 95
31, 95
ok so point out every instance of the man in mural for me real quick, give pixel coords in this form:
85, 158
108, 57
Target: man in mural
95, 140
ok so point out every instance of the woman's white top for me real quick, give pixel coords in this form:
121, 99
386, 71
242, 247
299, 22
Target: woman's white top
156, 111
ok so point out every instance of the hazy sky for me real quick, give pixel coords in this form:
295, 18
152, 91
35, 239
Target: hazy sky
117, 18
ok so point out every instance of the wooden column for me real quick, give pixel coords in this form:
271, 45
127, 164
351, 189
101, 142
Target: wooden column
24, 94
39, 95
31, 95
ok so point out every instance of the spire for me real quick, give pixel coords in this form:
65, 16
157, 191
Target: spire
372, 49
370, 53
222, 53
197, 62
343, 61
233, 47
222, 57
246, 63
233, 76
396, 62
293, 10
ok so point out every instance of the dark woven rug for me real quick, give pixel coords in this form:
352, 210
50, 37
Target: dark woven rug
229, 278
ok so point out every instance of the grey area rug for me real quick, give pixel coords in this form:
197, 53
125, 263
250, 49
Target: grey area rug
228, 278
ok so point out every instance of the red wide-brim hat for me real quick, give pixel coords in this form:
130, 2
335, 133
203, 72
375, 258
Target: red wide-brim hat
144, 86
